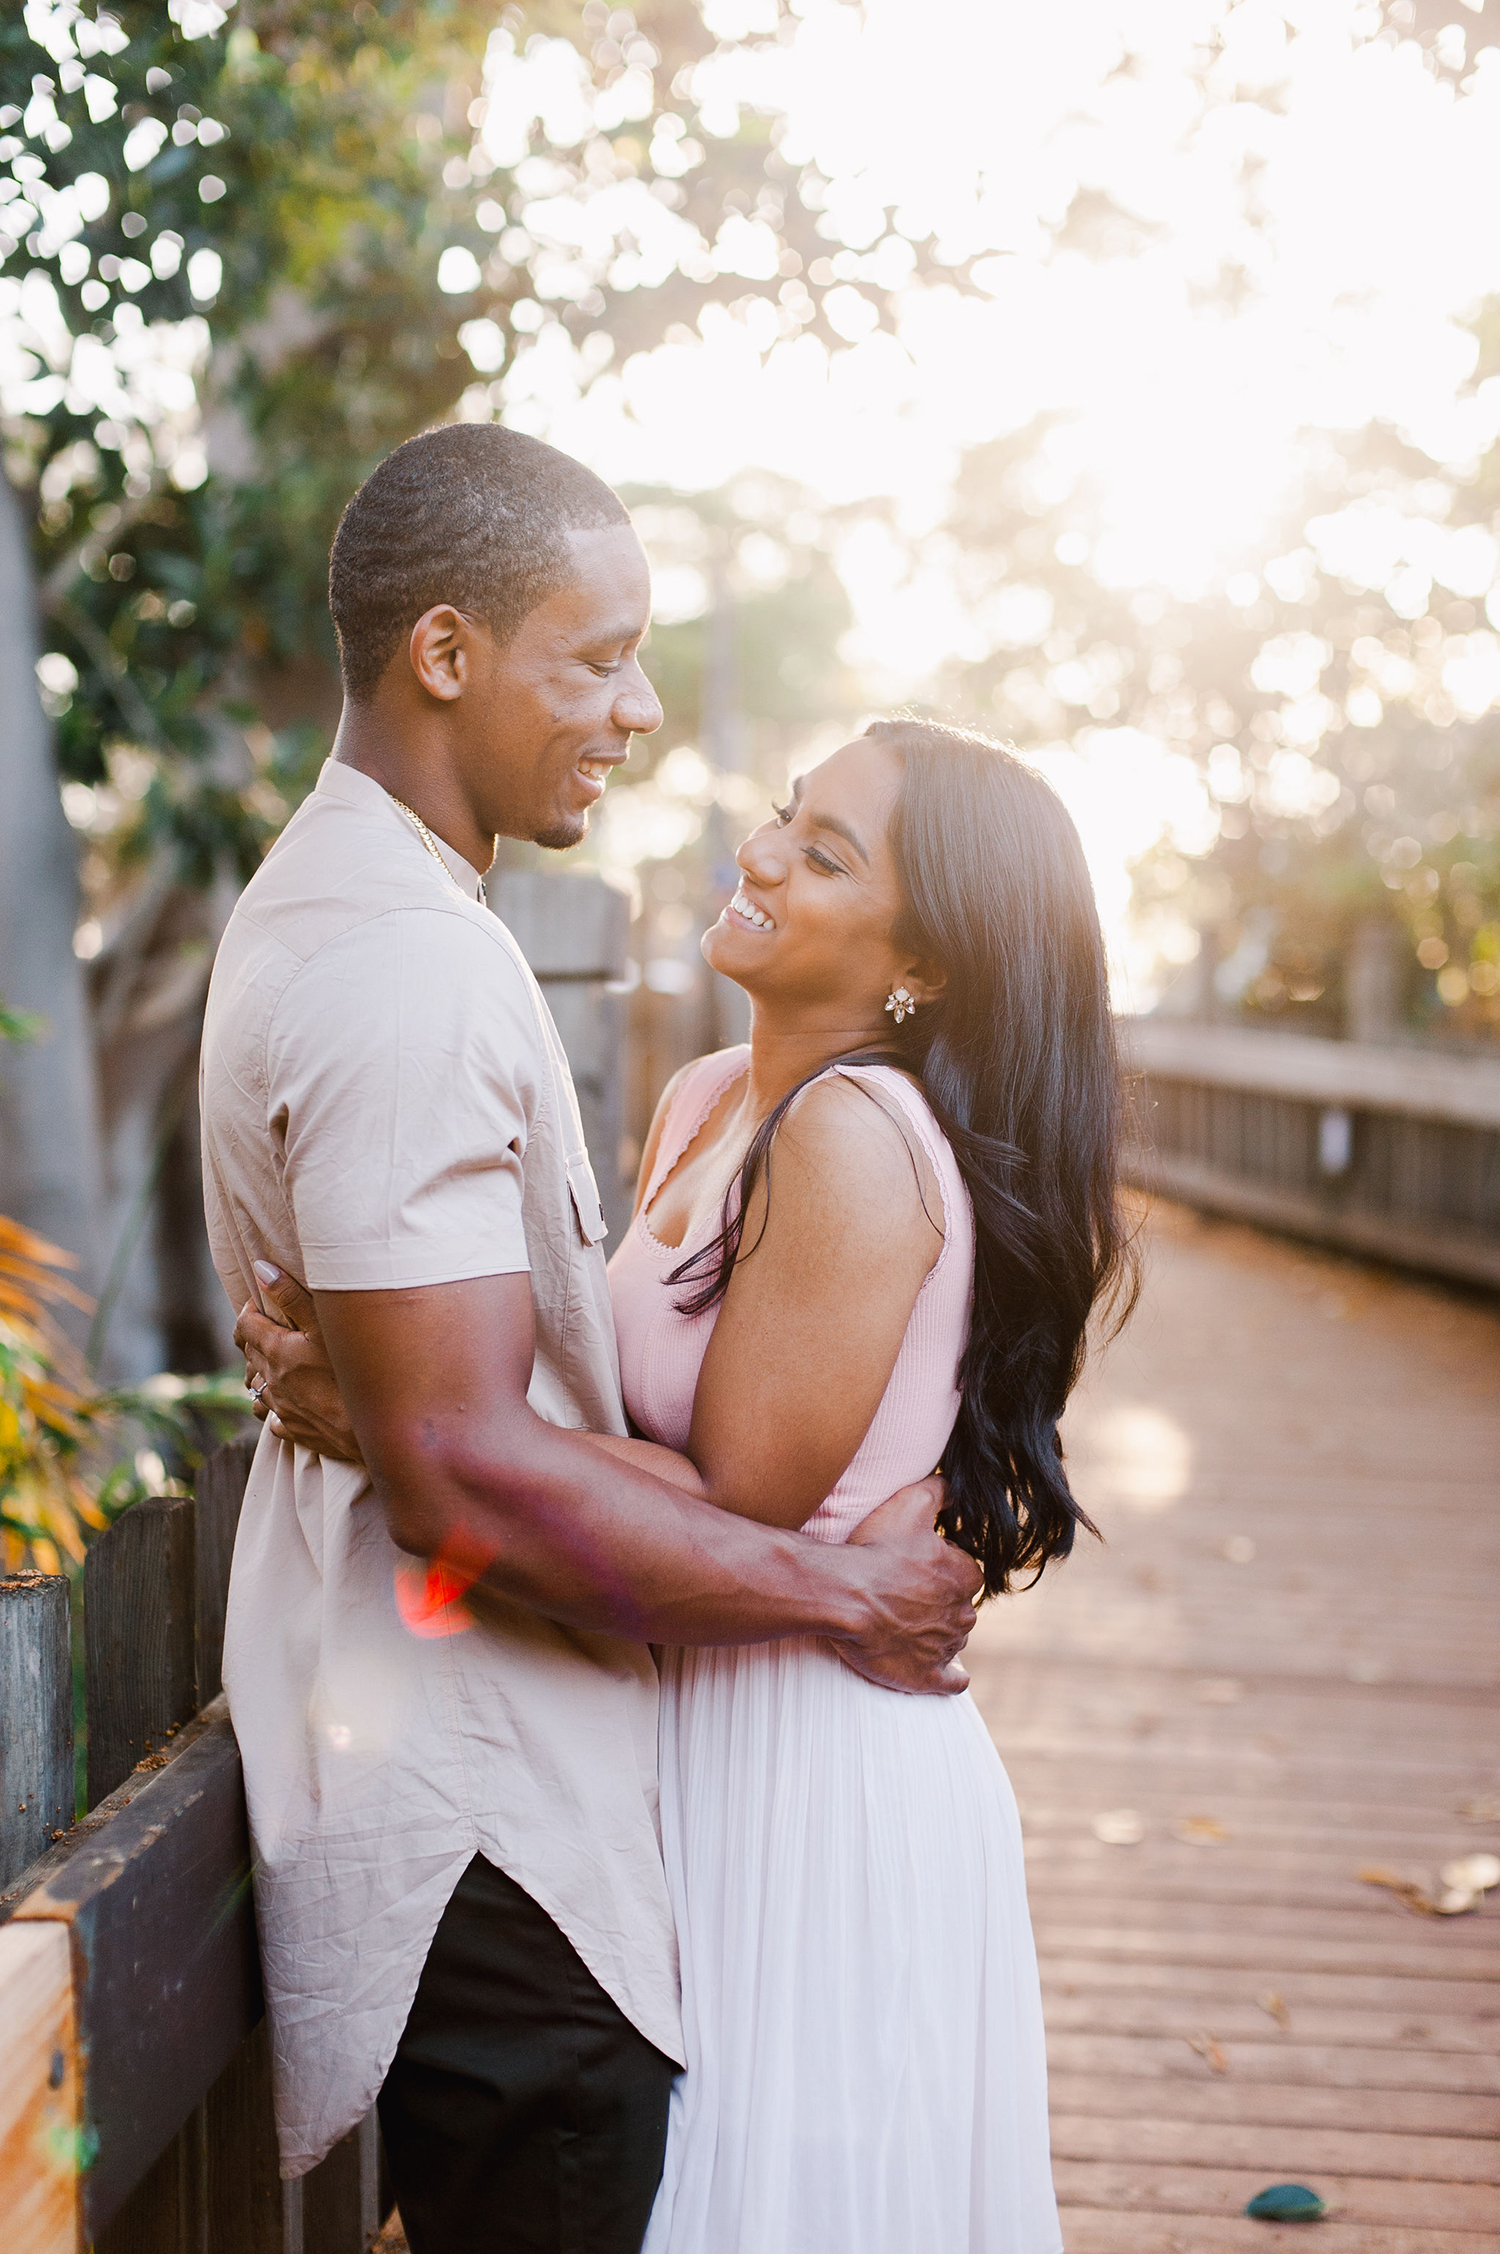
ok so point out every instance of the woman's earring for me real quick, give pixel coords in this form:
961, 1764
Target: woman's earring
903, 1005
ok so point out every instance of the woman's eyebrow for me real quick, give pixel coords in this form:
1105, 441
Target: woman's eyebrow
842, 829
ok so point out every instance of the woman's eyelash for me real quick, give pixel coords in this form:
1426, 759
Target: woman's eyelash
819, 860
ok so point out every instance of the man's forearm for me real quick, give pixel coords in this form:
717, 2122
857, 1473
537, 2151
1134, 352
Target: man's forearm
593, 1540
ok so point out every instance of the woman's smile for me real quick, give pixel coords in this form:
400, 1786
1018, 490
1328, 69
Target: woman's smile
743, 910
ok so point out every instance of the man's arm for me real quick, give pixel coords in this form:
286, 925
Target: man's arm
434, 1381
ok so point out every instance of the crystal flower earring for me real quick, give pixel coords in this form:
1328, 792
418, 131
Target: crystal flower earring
903, 1005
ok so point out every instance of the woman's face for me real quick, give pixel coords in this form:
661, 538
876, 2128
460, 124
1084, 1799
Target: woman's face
811, 924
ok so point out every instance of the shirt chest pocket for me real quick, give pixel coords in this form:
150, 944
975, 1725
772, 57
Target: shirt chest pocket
585, 1195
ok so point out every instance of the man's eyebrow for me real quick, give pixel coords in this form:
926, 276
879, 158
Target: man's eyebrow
831, 822
611, 637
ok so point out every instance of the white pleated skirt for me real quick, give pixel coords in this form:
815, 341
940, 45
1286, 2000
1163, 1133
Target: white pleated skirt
866, 2071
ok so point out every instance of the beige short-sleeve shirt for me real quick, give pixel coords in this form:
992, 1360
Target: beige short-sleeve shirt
386, 1104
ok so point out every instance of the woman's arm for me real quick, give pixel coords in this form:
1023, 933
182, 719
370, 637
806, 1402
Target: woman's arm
665, 1462
810, 1327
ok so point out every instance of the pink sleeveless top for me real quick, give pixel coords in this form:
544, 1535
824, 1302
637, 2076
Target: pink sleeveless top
662, 1351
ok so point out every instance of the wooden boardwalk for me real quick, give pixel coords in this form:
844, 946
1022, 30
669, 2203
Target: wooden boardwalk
1284, 1663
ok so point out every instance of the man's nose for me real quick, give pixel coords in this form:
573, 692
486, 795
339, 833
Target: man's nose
637, 708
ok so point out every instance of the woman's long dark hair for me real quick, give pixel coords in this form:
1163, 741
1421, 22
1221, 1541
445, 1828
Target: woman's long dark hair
1018, 1062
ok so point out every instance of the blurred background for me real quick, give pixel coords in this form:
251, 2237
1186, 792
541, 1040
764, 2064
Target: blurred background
1122, 376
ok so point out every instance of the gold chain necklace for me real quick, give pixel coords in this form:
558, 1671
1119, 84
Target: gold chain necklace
431, 843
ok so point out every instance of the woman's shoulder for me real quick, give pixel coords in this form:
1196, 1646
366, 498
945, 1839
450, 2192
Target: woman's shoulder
851, 1122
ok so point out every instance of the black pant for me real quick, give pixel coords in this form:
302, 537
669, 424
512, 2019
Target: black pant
523, 2113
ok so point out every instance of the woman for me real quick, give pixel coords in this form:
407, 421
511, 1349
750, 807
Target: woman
866, 1244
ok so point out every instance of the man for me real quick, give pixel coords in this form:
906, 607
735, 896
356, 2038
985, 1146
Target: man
458, 1880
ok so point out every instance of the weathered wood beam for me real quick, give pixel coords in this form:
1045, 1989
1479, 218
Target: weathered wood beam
219, 1490
140, 1666
155, 1894
149, 1897
1419, 1083
40, 2143
1214, 1189
36, 1718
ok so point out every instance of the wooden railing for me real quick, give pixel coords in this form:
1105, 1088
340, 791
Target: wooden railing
135, 2085
1393, 1152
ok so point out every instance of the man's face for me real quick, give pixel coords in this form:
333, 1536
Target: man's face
555, 708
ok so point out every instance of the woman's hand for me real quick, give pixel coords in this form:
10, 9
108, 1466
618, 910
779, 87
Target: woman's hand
288, 1372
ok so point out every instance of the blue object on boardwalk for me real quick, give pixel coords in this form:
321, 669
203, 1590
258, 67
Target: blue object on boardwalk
1286, 2203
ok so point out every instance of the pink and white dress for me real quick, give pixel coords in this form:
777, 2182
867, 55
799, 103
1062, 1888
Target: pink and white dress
866, 2071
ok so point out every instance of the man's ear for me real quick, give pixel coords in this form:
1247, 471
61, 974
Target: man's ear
442, 652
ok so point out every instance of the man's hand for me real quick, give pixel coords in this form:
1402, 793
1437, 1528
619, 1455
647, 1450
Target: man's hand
288, 1370
921, 1595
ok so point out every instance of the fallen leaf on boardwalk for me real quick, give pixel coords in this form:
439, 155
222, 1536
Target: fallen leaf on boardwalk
1272, 2004
1219, 1690
1478, 1873
1407, 1890
1482, 1809
1454, 1900
1211, 2050
1200, 1831
1120, 1827
1286, 2203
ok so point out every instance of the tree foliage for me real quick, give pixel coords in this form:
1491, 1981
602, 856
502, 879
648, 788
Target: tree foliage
1337, 693
290, 209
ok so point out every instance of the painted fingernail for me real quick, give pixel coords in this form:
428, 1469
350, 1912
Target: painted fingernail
266, 1273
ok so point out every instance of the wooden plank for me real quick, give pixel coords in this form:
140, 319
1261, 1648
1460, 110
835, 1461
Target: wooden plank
157, 1899
568, 924
36, 1704
1091, 2230
1419, 1083
1148, 2188
1331, 2066
1318, 1410
1124, 2090
1130, 2012
1289, 1952
219, 1491
243, 2194
1449, 1252
340, 2197
1303, 1992
163, 2214
1273, 2150
41, 2144
140, 1670
574, 930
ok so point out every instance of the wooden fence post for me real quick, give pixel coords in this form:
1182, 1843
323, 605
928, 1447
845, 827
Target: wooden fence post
36, 1718
219, 1491
574, 930
140, 1667
163, 1956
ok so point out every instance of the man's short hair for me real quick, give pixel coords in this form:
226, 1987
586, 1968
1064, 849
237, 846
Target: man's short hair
470, 514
